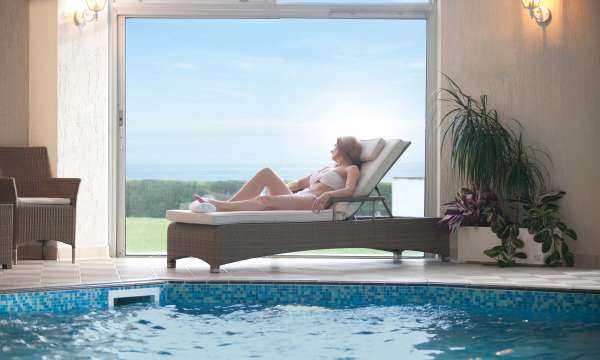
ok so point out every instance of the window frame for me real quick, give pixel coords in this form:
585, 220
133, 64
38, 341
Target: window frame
120, 11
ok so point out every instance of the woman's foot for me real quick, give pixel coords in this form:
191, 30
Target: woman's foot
202, 207
218, 204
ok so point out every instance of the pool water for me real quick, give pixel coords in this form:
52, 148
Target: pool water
296, 332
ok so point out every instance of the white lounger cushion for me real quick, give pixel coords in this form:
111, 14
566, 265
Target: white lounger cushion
43, 201
247, 217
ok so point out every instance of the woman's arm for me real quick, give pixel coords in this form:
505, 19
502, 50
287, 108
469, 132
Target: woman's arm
299, 184
352, 174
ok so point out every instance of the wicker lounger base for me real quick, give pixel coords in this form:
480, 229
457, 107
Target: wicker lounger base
223, 244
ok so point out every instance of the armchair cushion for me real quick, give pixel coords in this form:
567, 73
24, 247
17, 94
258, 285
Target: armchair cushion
53, 188
43, 201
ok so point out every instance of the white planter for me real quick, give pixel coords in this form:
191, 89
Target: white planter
473, 240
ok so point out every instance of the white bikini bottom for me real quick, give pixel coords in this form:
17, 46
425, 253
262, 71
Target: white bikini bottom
305, 192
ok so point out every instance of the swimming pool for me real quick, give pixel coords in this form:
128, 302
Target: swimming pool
301, 321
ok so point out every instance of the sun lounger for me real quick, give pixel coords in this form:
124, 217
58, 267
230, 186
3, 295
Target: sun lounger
225, 237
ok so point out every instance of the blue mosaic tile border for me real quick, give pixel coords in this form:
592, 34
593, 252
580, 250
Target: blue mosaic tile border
66, 300
357, 295
336, 295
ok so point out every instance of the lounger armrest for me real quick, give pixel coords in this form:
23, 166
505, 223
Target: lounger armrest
356, 199
8, 191
362, 200
60, 188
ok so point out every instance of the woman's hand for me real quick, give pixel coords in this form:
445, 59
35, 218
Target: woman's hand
321, 202
299, 184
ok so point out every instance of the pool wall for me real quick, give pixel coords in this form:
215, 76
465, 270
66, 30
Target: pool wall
335, 295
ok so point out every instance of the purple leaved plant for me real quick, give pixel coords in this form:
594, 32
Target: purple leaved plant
469, 208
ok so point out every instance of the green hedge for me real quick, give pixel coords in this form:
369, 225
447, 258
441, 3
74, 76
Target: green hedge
151, 198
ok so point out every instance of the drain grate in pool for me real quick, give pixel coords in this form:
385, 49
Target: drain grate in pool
133, 296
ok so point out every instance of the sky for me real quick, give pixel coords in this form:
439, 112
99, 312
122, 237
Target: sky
209, 99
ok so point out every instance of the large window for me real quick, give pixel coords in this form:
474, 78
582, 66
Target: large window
209, 102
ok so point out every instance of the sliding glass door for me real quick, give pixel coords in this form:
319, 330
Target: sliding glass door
211, 101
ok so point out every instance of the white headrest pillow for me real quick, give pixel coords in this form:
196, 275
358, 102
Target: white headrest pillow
371, 148
371, 172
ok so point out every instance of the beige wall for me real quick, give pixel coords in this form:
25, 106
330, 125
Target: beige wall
42, 94
547, 78
13, 72
42, 76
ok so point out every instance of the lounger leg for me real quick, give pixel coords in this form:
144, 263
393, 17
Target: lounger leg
171, 263
44, 243
397, 256
215, 269
73, 254
442, 257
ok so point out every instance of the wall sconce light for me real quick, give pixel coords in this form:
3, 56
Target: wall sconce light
91, 14
541, 14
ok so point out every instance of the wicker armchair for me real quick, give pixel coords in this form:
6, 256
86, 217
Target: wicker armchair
8, 201
45, 207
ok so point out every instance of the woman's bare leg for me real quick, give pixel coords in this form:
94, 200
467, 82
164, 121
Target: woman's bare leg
264, 178
288, 202
253, 204
272, 202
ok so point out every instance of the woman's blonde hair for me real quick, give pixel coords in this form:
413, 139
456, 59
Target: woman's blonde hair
350, 147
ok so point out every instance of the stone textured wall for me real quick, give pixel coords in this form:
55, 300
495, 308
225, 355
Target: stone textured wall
546, 77
82, 120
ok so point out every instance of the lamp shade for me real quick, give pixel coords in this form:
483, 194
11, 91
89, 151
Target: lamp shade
96, 5
530, 4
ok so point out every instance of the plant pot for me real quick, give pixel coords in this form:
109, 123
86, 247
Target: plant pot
473, 240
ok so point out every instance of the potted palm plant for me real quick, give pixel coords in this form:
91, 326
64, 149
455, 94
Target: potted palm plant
503, 176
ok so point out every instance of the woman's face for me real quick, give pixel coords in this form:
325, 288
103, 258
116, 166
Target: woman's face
335, 153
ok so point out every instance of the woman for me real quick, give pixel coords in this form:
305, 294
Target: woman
309, 193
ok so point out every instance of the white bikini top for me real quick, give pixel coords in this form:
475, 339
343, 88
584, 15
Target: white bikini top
329, 177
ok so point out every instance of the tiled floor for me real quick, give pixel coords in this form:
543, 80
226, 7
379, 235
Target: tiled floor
31, 274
